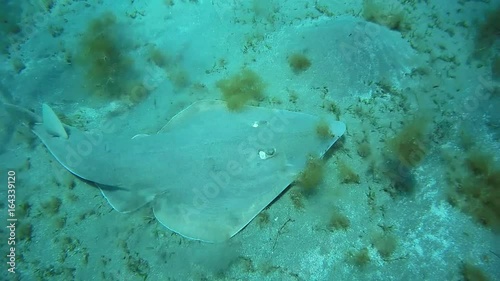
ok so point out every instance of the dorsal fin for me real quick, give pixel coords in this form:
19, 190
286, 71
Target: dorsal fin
51, 122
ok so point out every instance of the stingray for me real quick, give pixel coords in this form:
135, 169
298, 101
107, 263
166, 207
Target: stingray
207, 173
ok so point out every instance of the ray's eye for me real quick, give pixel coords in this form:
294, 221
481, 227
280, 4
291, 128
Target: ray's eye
267, 153
258, 123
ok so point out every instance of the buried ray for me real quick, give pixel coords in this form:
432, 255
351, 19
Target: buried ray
208, 172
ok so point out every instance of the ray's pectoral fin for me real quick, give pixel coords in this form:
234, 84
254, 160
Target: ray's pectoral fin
51, 122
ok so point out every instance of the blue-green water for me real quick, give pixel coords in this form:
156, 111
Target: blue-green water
411, 191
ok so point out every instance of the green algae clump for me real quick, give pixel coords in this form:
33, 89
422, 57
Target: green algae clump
298, 63
104, 57
323, 130
313, 174
241, 88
